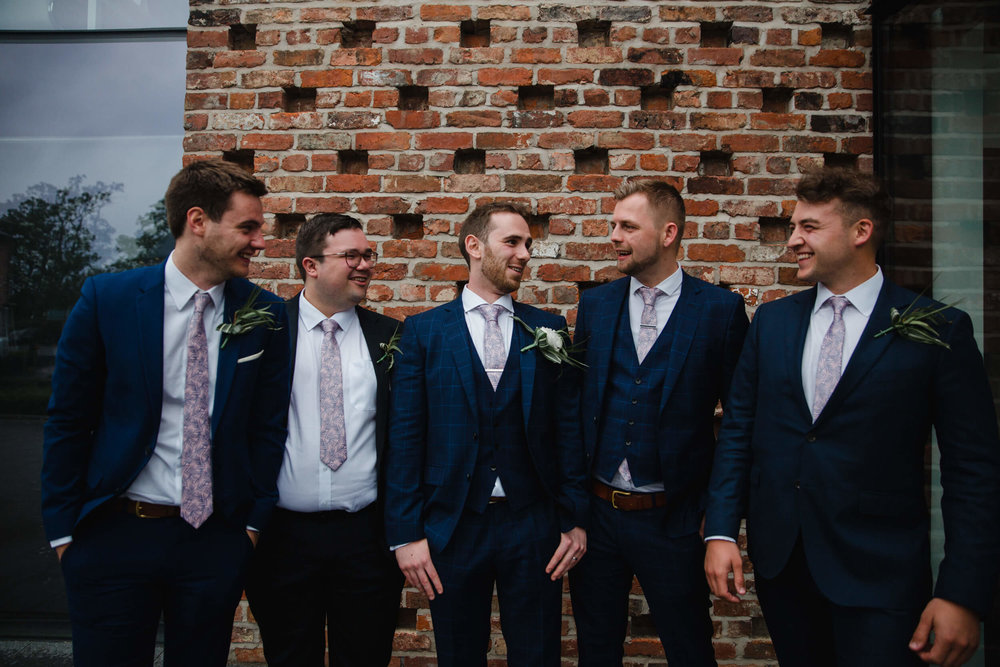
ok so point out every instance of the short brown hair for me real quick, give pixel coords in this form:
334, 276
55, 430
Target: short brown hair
207, 184
861, 196
664, 200
478, 222
312, 235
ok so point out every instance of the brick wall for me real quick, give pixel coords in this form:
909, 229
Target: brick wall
409, 114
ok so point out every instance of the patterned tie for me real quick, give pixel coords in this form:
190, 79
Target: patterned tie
831, 356
332, 429
493, 349
196, 454
647, 325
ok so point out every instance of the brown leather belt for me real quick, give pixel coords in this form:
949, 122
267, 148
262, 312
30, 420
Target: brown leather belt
145, 510
628, 501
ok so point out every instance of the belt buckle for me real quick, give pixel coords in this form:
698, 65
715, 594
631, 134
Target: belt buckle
139, 513
614, 497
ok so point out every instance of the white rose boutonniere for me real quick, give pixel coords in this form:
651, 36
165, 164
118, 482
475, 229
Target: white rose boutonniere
552, 344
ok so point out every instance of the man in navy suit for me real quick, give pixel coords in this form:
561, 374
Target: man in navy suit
485, 470
660, 348
323, 567
165, 436
822, 448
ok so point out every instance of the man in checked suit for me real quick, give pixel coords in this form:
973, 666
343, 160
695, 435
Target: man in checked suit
323, 566
660, 348
822, 448
485, 471
164, 436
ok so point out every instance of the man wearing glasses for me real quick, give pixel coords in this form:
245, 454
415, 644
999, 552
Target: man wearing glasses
324, 564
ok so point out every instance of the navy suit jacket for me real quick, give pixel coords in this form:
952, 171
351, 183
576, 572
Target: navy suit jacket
709, 324
434, 421
852, 483
107, 395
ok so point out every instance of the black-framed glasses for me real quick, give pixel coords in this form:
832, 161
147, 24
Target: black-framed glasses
352, 257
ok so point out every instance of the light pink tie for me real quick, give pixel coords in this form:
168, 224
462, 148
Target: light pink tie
196, 454
333, 431
831, 356
647, 324
493, 348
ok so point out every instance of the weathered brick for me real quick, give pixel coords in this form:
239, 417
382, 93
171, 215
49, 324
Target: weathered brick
397, 141
517, 76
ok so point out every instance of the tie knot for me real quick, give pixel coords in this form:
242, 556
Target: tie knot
838, 303
329, 326
491, 312
649, 294
201, 300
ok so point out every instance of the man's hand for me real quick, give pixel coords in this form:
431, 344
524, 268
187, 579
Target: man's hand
572, 546
254, 536
61, 549
721, 558
956, 634
415, 561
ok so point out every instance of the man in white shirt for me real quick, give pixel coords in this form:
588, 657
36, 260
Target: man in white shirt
822, 449
164, 435
323, 567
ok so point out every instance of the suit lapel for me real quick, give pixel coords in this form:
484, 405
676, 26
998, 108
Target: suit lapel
149, 317
456, 336
686, 312
529, 362
229, 354
602, 333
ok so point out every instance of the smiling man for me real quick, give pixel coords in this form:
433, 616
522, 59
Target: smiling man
323, 567
822, 449
660, 348
163, 444
485, 469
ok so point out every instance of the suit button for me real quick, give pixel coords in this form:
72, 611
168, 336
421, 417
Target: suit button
631, 422
638, 380
595, 419
475, 436
493, 468
628, 443
797, 485
635, 401
468, 476
810, 437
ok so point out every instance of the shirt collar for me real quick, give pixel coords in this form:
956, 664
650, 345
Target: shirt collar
310, 316
669, 285
471, 301
862, 297
181, 289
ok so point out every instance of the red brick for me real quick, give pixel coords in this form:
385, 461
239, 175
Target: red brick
302, 58
778, 58
532, 183
718, 121
561, 77
715, 185
449, 34
501, 140
505, 12
413, 119
443, 205
567, 205
808, 144
209, 142
654, 162
392, 141
267, 142
715, 56
442, 13
538, 55
562, 272
650, 56
589, 251
409, 248
595, 118
331, 78
641, 141
777, 121
517, 76
416, 56
476, 56
657, 120
207, 38
592, 183
238, 59
838, 58
475, 118
411, 184
746, 275
856, 80
440, 272
594, 55
443, 140
713, 252
202, 80
472, 183
771, 186
352, 183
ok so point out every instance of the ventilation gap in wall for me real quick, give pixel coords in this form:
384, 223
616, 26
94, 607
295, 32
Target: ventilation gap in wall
591, 160
773, 231
357, 34
715, 163
470, 161
593, 33
475, 34
352, 162
840, 160
656, 98
777, 100
286, 225
242, 37
836, 36
243, 157
413, 98
538, 224
717, 34
533, 98
407, 226
295, 99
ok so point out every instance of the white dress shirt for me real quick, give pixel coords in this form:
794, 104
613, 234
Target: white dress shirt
305, 483
477, 331
862, 302
160, 481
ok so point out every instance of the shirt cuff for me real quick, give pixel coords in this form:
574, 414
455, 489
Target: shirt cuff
61, 541
399, 546
724, 538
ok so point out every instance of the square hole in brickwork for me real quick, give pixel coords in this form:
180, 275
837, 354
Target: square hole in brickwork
475, 33
243, 37
715, 163
286, 225
298, 99
777, 100
538, 224
407, 226
460, 285
584, 285
413, 98
591, 160
357, 34
406, 618
593, 33
840, 160
533, 98
773, 231
716, 34
243, 157
656, 98
470, 161
352, 162
643, 626
836, 36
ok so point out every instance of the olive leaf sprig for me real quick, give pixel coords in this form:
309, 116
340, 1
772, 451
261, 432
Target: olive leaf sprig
247, 318
917, 324
390, 348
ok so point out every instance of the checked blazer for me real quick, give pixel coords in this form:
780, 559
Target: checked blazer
708, 324
433, 436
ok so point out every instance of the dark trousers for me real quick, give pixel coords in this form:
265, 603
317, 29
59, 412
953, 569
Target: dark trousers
671, 571
509, 549
325, 573
808, 630
123, 572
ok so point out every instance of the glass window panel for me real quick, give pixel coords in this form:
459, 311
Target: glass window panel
92, 14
